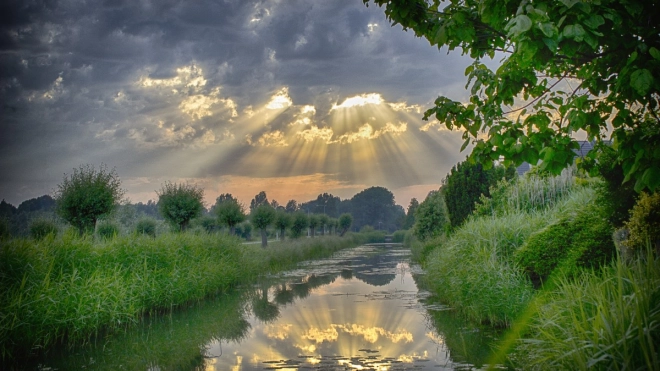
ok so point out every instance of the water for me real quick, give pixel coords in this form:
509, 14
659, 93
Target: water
360, 310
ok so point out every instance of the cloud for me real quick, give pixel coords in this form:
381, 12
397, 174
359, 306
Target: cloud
360, 100
280, 100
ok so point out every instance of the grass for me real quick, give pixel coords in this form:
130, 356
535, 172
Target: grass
66, 289
607, 319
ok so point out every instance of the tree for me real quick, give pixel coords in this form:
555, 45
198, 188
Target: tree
568, 67
344, 223
263, 216
87, 195
431, 217
313, 223
299, 224
291, 206
373, 206
229, 211
323, 221
43, 203
282, 222
180, 203
410, 216
465, 184
259, 199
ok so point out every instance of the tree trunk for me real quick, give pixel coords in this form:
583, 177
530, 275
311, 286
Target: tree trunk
282, 234
232, 230
264, 238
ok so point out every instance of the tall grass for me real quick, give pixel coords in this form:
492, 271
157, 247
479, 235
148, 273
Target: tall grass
605, 320
67, 289
473, 269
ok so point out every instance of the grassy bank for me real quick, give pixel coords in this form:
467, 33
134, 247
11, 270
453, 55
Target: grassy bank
67, 289
538, 258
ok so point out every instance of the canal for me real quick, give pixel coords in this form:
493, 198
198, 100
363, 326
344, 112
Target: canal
363, 309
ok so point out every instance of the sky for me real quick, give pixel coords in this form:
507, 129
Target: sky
291, 97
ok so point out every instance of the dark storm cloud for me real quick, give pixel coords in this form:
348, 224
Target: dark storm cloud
134, 83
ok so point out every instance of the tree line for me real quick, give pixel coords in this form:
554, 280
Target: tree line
90, 197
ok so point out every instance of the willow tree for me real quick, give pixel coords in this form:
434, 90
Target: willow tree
567, 67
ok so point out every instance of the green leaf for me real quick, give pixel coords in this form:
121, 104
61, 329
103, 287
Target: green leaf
548, 29
518, 25
574, 31
594, 21
569, 3
641, 80
465, 144
655, 53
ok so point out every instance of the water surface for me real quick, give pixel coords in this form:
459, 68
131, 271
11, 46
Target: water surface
360, 310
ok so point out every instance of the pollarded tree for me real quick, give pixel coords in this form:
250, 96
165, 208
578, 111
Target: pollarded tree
431, 217
567, 67
180, 203
323, 222
313, 223
299, 224
344, 223
86, 195
229, 211
259, 199
282, 221
263, 216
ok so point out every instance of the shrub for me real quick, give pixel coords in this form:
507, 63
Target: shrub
180, 203
576, 236
431, 217
86, 195
208, 224
644, 224
465, 183
107, 230
399, 236
146, 226
41, 228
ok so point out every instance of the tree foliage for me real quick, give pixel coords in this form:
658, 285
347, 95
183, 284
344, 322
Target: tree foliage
282, 221
375, 206
258, 200
299, 223
229, 211
180, 203
344, 223
410, 216
263, 216
431, 217
465, 184
88, 194
567, 67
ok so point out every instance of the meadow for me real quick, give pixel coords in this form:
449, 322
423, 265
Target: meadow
67, 289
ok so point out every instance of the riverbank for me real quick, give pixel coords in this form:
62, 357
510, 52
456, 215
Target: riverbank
67, 289
538, 260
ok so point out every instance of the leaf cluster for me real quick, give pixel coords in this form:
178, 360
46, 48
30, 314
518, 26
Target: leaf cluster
567, 66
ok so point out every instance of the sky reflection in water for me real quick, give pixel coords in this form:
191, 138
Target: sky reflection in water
366, 317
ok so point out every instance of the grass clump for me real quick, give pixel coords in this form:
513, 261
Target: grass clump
107, 230
605, 319
40, 228
146, 226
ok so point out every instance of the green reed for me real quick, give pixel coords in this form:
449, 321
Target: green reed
66, 289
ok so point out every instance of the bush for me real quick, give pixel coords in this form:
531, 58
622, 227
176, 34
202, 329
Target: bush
41, 228
87, 195
299, 223
208, 224
431, 217
344, 223
644, 224
146, 226
107, 230
180, 203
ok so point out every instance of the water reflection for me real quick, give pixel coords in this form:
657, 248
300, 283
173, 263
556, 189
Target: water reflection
360, 310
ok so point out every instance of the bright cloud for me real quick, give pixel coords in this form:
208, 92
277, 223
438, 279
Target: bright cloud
190, 77
313, 133
360, 100
280, 100
366, 131
272, 139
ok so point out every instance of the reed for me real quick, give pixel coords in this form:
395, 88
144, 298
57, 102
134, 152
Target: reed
66, 289
605, 319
